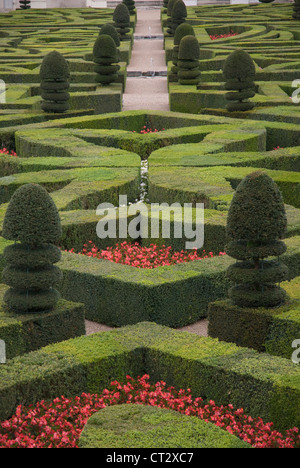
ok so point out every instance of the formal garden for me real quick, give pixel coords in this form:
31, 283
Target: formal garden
71, 158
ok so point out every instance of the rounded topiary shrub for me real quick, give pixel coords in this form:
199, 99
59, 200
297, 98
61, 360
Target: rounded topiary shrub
33, 222
256, 225
54, 74
121, 19
188, 61
130, 5
239, 75
183, 30
24, 4
171, 4
296, 10
110, 30
106, 57
178, 16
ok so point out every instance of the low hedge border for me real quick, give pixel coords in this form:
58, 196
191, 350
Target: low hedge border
136, 426
25, 333
266, 330
265, 386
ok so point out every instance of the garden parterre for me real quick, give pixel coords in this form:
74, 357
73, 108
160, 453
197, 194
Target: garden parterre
84, 159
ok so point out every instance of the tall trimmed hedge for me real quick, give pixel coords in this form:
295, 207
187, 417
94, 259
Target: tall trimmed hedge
178, 16
33, 222
54, 74
188, 61
106, 57
256, 224
239, 74
121, 17
182, 30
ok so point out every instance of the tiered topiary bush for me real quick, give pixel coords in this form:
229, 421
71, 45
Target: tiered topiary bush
25, 4
121, 19
106, 57
188, 61
130, 5
296, 9
239, 74
178, 16
183, 30
255, 226
33, 222
171, 4
54, 74
110, 30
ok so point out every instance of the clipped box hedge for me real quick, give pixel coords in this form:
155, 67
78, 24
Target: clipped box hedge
135, 426
25, 333
265, 386
266, 330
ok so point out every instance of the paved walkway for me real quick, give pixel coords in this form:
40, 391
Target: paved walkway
146, 86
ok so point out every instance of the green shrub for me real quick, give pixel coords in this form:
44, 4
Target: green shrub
179, 14
105, 56
32, 220
239, 75
136, 426
121, 19
256, 224
54, 75
296, 9
110, 30
171, 4
182, 30
24, 4
188, 61
130, 5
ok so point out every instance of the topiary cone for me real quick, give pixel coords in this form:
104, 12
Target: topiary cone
33, 222
106, 57
188, 61
178, 16
256, 225
183, 30
121, 17
24, 4
54, 74
239, 74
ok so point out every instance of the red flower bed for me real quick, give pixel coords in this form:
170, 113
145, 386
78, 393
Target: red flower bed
146, 130
7, 153
222, 36
58, 424
143, 257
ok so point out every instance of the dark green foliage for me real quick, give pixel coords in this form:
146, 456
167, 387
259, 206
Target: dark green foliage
54, 74
171, 4
33, 220
188, 61
136, 426
266, 1
239, 75
255, 226
106, 57
183, 30
24, 4
121, 19
130, 5
165, 6
110, 30
178, 16
296, 9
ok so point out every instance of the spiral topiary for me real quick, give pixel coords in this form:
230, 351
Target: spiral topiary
183, 30
121, 17
54, 74
33, 222
239, 74
106, 57
256, 224
110, 30
24, 4
296, 10
178, 16
130, 5
188, 61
